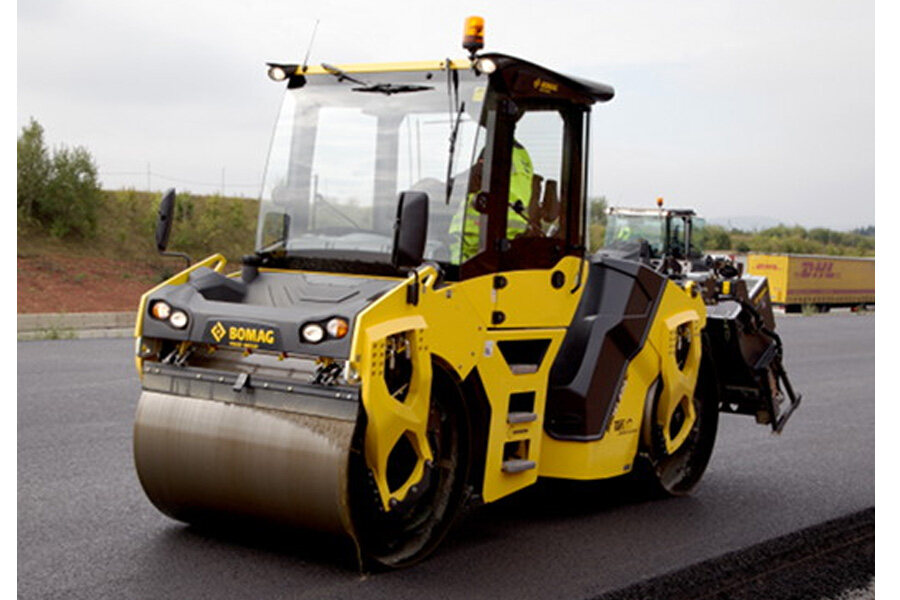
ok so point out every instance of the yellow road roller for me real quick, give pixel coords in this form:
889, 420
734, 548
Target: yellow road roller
420, 328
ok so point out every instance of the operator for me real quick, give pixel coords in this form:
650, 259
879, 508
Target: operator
520, 189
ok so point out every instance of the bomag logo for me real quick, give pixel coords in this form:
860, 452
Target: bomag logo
243, 335
218, 331
547, 87
251, 334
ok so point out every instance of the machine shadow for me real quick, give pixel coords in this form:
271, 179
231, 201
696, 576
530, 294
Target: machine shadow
289, 544
547, 500
552, 500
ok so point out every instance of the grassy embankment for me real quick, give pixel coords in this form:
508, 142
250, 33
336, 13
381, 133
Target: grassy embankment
127, 222
110, 271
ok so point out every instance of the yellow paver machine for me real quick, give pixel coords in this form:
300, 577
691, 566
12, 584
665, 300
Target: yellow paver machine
421, 329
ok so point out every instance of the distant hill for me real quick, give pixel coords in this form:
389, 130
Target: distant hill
760, 223
749, 223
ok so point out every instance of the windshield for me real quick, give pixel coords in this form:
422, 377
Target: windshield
345, 147
699, 238
623, 228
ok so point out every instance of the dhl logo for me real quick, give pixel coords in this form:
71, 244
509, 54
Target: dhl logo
546, 87
817, 269
766, 266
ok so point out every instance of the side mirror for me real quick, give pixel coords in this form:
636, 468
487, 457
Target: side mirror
410, 230
164, 226
164, 220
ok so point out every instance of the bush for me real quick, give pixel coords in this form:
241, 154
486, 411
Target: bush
73, 195
598, 210
33, 170
714, 237
596, 236
59, 193
202, 225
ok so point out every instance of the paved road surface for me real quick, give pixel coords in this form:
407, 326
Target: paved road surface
85, 529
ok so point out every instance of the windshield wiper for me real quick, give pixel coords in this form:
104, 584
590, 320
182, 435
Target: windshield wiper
341, 75
390, 88
383, 88
453, 135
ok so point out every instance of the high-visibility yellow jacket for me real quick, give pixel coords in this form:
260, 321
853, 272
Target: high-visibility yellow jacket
466, 237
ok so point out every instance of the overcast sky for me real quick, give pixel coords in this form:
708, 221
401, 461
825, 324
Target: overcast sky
736, 108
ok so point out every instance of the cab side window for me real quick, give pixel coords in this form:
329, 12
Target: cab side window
535, 173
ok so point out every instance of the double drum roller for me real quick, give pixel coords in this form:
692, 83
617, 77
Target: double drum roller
420, 328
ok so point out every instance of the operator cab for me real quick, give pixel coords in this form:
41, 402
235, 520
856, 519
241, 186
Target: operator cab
665, 238
498, 145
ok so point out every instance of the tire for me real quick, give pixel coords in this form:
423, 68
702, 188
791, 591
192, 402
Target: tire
679, 473
399, 538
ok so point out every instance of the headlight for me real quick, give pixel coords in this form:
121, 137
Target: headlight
161, 310
337, 327
485, 65
179, 319
277, 73
312, 333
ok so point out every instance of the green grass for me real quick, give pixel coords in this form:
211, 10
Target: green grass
126, 228
807, 310
54, 333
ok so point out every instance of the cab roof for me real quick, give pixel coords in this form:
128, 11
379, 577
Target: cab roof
509, 66
598, 92
652, 212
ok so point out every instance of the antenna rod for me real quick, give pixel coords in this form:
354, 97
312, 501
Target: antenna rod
309, 48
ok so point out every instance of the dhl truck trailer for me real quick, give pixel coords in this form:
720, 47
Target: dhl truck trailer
824, 282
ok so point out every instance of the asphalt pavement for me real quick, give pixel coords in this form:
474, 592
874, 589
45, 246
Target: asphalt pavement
85, 529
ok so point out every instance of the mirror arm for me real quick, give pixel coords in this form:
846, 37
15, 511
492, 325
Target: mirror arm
187, 259
412, 288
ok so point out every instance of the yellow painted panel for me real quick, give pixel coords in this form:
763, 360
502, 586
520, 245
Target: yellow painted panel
614, 453
499, 383
774, 268
422, 65
530, 300
451, 323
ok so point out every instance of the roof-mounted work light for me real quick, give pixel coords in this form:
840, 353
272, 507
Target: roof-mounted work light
277, 73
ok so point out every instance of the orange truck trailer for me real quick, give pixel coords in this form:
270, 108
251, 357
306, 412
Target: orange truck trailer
823, 282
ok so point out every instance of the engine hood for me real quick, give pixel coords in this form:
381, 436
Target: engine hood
267, 313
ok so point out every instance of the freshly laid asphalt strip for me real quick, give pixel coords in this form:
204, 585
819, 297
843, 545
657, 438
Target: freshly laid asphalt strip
85, 529
816, 562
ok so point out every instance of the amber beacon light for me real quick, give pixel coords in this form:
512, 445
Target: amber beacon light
473, 35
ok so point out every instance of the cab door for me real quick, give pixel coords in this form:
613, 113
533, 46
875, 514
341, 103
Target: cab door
540, 273
535, 236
